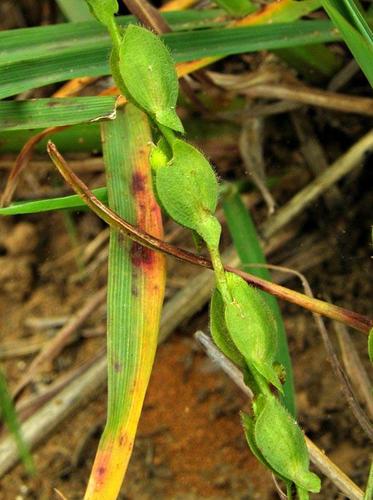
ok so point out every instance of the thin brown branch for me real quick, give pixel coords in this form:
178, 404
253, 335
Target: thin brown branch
148, 15
22, 161
314, 97
54, 346
344, 381
355, 320
354, 367
342, 166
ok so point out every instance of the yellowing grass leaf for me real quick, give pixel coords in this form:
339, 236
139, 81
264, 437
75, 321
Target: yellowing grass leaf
135, 297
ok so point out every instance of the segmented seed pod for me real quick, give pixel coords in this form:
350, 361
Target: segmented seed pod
252, 328
219, 331
281, 442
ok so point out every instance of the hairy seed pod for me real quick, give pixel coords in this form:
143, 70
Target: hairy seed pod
149, 75
219, 331
252, 328
188, 190
282, 444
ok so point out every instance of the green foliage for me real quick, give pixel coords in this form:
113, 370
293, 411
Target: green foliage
39, 113
9, 416
237, 7
149, 76
35, 57
370, 345
368, 495
75, 10
72, 202
349, 19
103, 10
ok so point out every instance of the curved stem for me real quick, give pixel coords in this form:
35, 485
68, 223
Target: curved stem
350, 318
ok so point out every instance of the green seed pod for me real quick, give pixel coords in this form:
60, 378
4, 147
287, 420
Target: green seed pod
252, 328
248, 423
188, 190
281, 442
103, 10
370, 345
219, 331
149, 75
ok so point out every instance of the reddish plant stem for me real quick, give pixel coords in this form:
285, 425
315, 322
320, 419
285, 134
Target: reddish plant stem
350, 318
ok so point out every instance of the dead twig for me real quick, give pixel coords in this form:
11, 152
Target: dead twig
313, 97
314, 154
251, 149
318, 457
54, 346
37, 427
22, 161
342, 166
354, 367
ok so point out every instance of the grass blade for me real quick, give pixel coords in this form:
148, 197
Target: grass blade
73, 202
27, 44
75, 10
82, 137
369, 489
91, 56
237, 7
40, 113
9, 416
246, 242
135, 295
355, 31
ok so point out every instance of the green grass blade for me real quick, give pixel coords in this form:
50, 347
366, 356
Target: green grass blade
42, 113
82, 137
246, 242
75, 10
27, 44
358, 19
73, 202
368, 495
314, 62
91, 56
135, 294
9, 416
355, 31
237, 7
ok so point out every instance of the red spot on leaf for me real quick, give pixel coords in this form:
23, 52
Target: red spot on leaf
138, 182
101, 471
122, 439
142, 257
118, 366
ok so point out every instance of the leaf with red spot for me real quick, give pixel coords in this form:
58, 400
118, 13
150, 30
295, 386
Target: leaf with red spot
135, 296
